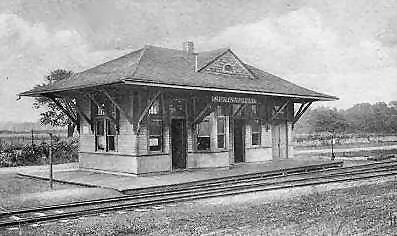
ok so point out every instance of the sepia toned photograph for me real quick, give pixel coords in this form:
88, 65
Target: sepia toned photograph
198, 117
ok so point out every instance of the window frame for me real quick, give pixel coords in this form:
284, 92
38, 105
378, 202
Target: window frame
206, 119
106, 123
221, 134
258, 132
101, 116
160, 137
154, 115
227, 65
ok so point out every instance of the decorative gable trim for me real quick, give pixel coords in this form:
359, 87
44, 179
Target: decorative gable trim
240, 64
213, 60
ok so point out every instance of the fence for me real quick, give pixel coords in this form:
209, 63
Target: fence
35, 137
340, 139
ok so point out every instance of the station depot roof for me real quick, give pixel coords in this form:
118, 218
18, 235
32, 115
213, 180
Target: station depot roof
163, 67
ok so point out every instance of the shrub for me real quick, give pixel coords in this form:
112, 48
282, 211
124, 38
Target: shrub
63, 151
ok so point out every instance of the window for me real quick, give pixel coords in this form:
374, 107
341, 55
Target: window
155, 127
105, 135
110, 136
256, 132
221, 127
105, 127
227, 68
254, 110
204, 135
177, 107
155, 108
100, 135
101, 110
155, 135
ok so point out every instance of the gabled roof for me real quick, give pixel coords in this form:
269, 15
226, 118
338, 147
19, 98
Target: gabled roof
163, 67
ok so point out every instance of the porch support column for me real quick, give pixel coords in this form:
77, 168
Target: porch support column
277, 112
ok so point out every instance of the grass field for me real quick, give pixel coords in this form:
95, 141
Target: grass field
360, 210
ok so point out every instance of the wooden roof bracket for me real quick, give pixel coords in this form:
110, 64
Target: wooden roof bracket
238, 110
207, 109
113, 100
63, 109
279, 110
113, 119
146, 110
301, 111
89, 121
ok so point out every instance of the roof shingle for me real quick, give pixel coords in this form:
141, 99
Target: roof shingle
174, 67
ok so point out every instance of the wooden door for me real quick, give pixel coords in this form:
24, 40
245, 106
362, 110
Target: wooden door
283, 140
280, 140
238, 142
178, 143
276, 141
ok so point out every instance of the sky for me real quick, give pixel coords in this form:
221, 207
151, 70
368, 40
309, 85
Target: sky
343, 48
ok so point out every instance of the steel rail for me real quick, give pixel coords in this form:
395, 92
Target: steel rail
241, 188
185, 188
186, 197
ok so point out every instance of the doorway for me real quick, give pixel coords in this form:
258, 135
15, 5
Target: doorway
178, 143
238, 147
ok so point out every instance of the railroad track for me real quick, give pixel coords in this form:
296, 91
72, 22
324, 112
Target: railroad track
226, 186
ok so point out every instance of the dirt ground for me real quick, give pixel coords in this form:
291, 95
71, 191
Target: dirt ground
353, 210
20, 192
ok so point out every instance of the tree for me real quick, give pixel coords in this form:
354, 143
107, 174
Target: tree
325, 119
53, 115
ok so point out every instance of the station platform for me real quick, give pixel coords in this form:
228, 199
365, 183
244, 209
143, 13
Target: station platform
127, 183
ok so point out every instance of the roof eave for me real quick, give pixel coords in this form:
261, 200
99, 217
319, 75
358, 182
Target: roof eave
49, 91
135, 81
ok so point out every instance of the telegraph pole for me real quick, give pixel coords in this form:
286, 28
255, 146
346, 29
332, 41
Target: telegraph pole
32, 138
50, 157
332, 146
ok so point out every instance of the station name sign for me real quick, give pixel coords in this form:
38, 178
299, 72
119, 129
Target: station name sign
244, 100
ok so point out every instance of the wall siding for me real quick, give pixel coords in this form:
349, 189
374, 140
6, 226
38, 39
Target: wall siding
109, 161
217, 66
154, 163
206, 160
133, 156
258, 154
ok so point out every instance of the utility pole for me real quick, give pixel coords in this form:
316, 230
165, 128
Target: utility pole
332, 146
50, 157
32, 138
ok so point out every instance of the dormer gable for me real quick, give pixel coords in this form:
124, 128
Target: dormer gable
226, 63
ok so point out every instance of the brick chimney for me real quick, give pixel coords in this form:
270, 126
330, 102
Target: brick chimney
188, 47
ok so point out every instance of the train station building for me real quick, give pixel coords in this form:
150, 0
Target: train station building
161, 110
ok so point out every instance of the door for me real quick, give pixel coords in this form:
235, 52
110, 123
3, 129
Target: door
238, 144
178, 143
283, 140
280, 140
